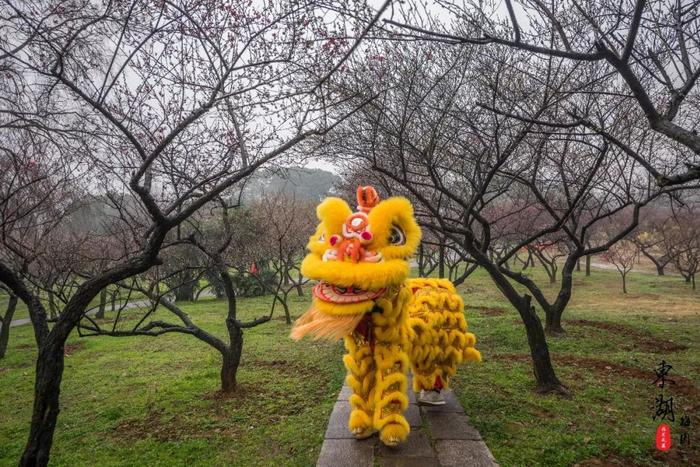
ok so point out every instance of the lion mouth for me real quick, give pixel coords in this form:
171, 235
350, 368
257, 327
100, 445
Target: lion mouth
334, 294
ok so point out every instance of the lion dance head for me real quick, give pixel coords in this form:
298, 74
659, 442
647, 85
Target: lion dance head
357, 258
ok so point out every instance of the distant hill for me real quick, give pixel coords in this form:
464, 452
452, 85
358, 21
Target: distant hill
303, 183
90, 214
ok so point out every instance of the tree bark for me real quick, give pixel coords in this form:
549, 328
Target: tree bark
232, 355
659, 264
543, 370
49, 372
421, 256
624, 283
184, 292
287, 314
554, 310
553, 325
441, 260
588, 265
230, 361
52, 305
6, 321
103, 304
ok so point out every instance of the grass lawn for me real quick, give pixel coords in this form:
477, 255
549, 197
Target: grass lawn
154, 401
614, 343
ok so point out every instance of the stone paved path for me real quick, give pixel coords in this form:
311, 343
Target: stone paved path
440, 436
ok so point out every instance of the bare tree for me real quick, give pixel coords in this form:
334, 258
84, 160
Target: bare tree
641, 58
6, 319
427, 140
682, 234
287, 224
623, 254
213, 243
478, 176
178, 101
651, 239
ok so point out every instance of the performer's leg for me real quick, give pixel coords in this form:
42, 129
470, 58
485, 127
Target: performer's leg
391, 360
361, 375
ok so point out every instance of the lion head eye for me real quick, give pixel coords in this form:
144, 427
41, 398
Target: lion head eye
397, 236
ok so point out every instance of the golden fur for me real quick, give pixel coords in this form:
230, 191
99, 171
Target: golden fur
416, 323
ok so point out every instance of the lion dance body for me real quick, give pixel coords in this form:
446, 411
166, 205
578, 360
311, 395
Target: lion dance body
388, 321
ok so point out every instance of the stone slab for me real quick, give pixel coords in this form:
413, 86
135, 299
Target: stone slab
409, 462
344, 393
417, 445
452, 404
338, 422
413, 416
464, 453
346, 453
411, 395
456, 442
444, 425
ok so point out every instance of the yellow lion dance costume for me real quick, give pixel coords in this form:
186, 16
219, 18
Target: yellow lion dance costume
388, 322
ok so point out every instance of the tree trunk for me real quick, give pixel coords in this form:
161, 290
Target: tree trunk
52, 305
184, 292
543, 370
103, 304
287, 315
231, 358
230, 361
300, 290
421, 257
49, 372
588, 265
624, 283
659, 269
441, 260
578, 265
6, 321
552, 326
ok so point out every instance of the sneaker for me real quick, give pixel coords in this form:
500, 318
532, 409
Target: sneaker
431, 398
359, 433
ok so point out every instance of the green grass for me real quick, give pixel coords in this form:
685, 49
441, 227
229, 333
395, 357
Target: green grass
154, 401
609, 372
